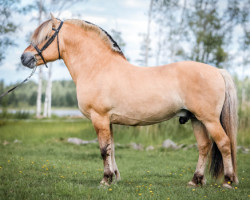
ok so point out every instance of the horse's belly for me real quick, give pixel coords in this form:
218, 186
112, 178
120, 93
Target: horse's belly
125, 120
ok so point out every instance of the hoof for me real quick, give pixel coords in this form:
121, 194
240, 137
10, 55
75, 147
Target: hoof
236, 180
226, 185
103, 183
192, 184
117, 176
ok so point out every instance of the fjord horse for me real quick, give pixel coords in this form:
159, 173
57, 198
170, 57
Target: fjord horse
110, 90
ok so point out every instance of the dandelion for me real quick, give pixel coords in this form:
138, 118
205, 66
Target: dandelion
180, 174
20, 172
168, 198
249, 195
47, 168
0, 167
193, 189
205, 196
150, 185
141, 194
219, 186
151, 191
8, 161
110, 189
236, 188
229, 182
32, 162
62, 176
47, 160
148, 171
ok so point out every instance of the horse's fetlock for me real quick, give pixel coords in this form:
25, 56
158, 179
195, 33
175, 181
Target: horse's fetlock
198, 178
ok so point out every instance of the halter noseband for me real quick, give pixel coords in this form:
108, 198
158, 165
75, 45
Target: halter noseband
51, 39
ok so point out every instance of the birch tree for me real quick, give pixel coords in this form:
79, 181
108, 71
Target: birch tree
145, 50
56, 6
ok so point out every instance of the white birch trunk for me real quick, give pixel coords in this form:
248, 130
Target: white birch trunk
49, 90
39, 88
148, 33
39, 94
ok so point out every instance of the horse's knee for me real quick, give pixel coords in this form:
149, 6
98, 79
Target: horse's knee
224, 146
105, 151
204, 147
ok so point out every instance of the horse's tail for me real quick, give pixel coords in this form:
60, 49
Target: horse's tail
229, 121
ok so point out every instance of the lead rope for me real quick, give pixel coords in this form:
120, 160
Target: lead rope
25, 80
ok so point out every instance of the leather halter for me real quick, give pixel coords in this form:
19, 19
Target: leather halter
51, 39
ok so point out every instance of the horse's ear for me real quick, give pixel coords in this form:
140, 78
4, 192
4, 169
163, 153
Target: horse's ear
54, 21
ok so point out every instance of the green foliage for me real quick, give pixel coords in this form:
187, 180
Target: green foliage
7, 25
42, 165
63, 95
204, 27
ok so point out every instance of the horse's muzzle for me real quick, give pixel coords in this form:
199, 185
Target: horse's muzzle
28, 59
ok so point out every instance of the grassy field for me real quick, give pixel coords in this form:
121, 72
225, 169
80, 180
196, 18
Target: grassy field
36, 162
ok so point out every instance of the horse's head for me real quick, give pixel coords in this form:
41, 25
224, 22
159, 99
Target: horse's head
44, 45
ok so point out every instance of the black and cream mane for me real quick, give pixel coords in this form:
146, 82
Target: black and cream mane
44, 30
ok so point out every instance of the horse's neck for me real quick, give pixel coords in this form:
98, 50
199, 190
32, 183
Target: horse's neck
84, 58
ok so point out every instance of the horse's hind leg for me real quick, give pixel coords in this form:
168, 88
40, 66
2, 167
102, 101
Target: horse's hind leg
204, 145
224, 145
117, 173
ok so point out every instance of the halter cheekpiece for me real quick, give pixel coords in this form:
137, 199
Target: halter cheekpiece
51, 39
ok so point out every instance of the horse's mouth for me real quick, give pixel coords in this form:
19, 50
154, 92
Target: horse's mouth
28, 60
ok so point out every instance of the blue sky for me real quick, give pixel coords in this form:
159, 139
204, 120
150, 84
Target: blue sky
129, 17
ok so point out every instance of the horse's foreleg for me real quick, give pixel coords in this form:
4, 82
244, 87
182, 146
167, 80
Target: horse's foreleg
117, 173
105, 142
204, 145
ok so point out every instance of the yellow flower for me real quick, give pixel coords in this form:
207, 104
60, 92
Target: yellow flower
219, 186
229, 182
20, 172
150, 191
32, 162
47, 168
205, 196
236, 188
193, 189
62, 176
110, 189
148, 171
0, 167
8, 161
139, 194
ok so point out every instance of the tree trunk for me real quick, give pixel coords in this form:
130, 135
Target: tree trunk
148, 33
39, 94
40, 76
49, 90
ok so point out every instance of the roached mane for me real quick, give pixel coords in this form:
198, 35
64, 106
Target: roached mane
44, 30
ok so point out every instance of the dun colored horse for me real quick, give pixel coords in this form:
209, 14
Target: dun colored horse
110, 90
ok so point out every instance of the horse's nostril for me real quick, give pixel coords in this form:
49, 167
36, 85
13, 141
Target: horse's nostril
22, 57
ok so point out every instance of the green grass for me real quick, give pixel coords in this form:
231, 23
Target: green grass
44, 166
